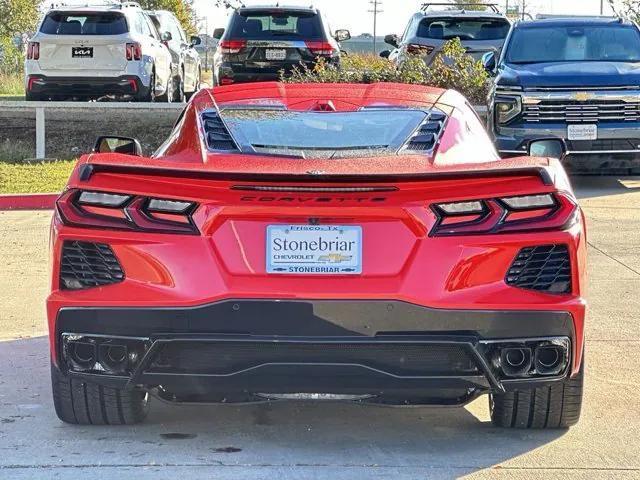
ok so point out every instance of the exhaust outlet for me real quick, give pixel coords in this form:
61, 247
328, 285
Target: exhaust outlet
114, 358
515, 361
550, 359
82, 354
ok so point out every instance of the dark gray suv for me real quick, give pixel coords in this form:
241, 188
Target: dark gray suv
260, 42
436, 23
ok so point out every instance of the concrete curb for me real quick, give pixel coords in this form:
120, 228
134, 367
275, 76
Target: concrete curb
28, 201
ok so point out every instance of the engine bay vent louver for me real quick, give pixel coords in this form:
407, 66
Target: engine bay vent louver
218, 137
544, 268
427, 136
87, 265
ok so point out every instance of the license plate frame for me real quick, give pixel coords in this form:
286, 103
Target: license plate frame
582, 132
275, 54
327, 249
81, 52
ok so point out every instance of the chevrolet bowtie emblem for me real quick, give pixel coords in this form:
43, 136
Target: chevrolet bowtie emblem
582, 96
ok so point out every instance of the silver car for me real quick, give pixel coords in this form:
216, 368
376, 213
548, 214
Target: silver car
480, 31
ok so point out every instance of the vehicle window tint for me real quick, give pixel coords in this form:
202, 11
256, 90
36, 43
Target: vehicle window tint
171, 25
281, 25
606, 43
317, 132
152, 28
56, 23
468, 30
142, 25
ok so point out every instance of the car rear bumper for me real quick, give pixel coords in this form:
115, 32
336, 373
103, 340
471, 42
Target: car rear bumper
386, 351
241, 73
85, 86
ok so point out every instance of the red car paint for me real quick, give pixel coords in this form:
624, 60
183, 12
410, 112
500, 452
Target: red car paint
401, 260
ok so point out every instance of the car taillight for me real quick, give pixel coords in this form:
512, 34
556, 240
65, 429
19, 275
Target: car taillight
33, 51
508, 214
231, 47
134, 51
416, 49
88, 209
320, 48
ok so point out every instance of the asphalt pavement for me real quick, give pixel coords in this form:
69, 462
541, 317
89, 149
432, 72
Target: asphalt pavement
331, 440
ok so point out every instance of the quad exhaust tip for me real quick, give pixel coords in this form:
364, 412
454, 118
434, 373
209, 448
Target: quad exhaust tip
112, 356
515, 361
535, 358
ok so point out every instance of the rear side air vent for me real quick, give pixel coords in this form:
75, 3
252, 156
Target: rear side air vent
546, 268
218, 137
427, 136
87, 265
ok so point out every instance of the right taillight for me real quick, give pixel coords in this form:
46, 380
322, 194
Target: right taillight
232, 47
33, 51
416, 49
546, 211
134, 51
320, 48
89, 209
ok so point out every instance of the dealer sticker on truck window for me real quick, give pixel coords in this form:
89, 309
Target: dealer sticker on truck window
314, 249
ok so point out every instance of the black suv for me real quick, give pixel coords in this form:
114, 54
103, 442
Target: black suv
260, 42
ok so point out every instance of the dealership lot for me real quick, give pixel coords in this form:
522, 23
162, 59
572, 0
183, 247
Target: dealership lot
297, 440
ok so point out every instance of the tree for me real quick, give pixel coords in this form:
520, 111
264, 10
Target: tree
477, 4
626, 8
17, 16
182, 9
228, 3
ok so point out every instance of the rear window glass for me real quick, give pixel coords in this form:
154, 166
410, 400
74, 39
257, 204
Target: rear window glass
58, 23
279, 25
476, 29
318, 134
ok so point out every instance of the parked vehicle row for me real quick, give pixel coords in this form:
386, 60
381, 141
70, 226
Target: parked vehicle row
111, 50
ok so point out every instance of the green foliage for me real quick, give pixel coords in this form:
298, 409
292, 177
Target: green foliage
478, 4
183, 10
37, 177
17, 16
11, 59
626, 8
453, 69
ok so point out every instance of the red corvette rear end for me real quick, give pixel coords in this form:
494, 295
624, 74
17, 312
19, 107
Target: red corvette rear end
358, 243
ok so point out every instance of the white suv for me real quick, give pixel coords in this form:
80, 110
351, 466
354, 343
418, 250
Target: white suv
95, 51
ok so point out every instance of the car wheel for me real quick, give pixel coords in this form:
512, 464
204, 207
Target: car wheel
33, 97
150, 94
179, 91
169, 92
196, 88
83, 402
557, 405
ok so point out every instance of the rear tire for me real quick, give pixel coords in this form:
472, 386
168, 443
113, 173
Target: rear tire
86, 403
555, 406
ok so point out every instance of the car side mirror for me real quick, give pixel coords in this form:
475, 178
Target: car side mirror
126, 145
195, 40
392, 40
489, 62
385, 53
342, 35
547, 147
218, 33
166, 37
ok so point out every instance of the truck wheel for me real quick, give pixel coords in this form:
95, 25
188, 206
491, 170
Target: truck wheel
85, 403
548, 407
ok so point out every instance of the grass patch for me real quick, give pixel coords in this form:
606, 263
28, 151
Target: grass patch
11, 85
40, 177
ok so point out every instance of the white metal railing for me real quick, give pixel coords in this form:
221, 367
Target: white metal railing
41, 109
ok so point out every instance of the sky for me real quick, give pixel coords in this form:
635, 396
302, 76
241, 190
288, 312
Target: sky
353, 15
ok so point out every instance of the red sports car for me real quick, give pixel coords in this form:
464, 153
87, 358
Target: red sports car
327, 242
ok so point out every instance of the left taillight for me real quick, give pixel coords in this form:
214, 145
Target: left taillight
546, 211
91, 209
320, 48
33, 51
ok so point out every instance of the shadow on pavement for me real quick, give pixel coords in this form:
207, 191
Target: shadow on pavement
597, 186
291, 434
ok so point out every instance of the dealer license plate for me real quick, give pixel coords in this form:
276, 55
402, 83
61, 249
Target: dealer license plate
582, 132
82, 52
279, 54
314, 249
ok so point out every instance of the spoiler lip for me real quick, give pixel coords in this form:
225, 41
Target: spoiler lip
89, 169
